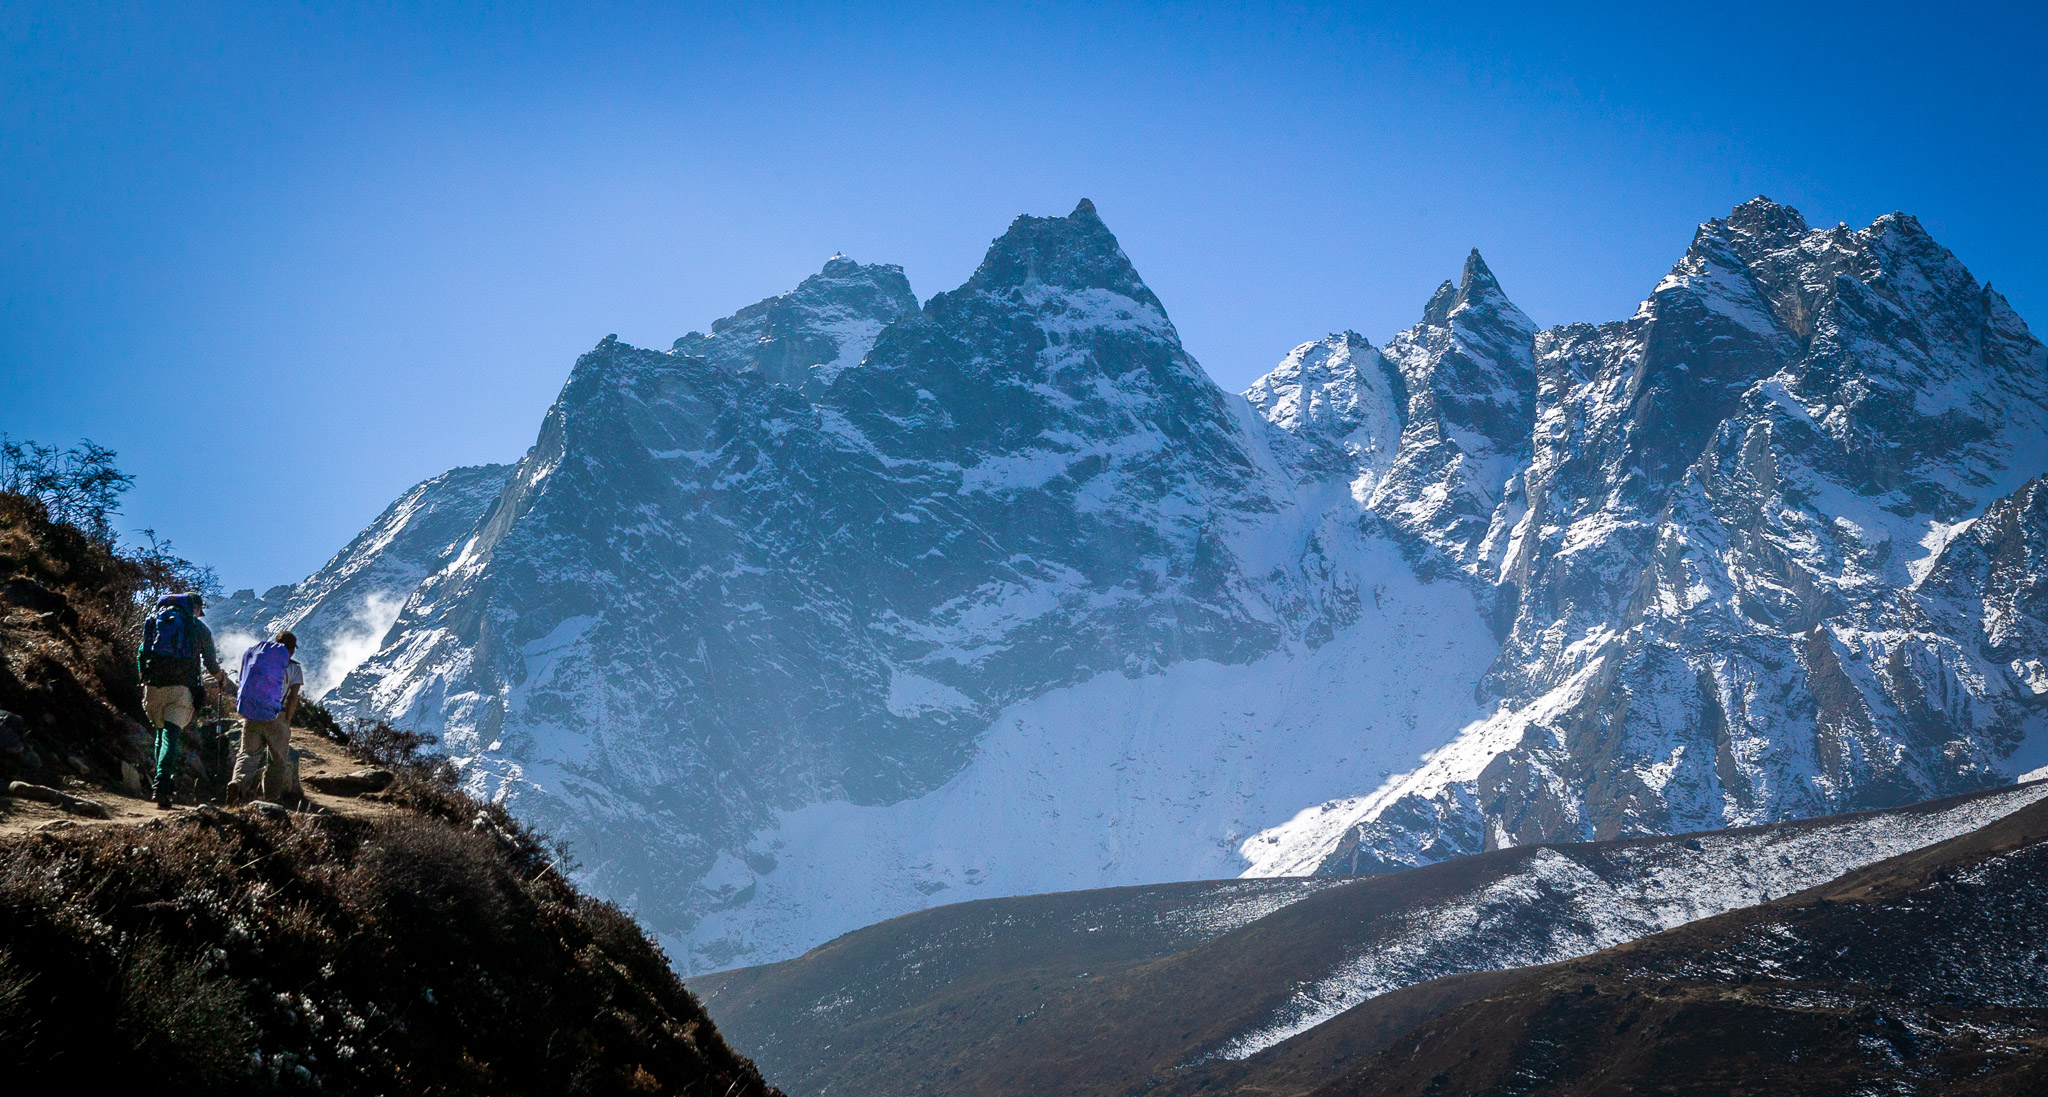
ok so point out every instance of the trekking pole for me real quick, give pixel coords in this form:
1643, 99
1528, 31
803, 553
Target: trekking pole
222, 760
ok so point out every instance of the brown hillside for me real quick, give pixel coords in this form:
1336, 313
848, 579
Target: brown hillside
68, 628
1923, 974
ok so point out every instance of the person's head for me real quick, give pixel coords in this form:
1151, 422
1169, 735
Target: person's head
197, 601
290, 642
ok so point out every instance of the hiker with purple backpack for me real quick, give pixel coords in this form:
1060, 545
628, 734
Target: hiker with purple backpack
267, 699
175, 644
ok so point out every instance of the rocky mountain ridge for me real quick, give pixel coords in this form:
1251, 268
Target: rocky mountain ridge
1717, 559
823, 616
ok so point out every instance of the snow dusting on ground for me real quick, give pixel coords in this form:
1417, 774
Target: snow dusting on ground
1563, 903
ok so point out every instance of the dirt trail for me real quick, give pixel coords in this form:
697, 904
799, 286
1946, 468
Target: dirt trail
318, 757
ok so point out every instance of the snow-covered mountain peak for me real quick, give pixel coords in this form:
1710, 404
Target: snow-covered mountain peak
1338, 392
1762, 219
342, 612
1711, 550
1468, 369
1317, 388
1480, 300
807, 337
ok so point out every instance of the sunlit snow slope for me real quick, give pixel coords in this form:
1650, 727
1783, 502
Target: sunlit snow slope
1120, 779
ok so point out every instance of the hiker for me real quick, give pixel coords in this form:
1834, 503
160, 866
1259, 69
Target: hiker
269, 696
175, 644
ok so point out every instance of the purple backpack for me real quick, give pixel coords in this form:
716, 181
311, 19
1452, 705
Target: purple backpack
261, 696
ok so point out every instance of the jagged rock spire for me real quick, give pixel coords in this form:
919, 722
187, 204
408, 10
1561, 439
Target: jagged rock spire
1762, 217
1437, 313
1477, 280
1073, 252
1476, 288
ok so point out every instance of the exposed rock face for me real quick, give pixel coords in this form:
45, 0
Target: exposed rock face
1990, 585
1471, 385
1718, 556
837, 607
341, 613
708, 595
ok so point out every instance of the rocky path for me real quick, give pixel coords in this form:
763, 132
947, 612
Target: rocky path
319, 757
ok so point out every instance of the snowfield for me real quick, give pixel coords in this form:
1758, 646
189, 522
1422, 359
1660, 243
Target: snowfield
1117, 780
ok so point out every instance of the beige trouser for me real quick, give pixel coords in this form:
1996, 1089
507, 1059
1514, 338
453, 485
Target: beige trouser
167, 705
268, 744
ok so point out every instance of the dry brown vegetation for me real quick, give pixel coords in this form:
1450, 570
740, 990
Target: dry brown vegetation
67, 634
222, 951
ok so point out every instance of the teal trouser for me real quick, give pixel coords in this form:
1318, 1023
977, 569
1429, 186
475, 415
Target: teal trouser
170, 745
169, 709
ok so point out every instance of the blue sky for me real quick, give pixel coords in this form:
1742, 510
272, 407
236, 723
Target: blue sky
289, 260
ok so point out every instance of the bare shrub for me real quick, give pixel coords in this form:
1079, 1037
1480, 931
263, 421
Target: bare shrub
393, 748
17, 1021
160, 570
79, 486
175, 1014
314, 717
436, 889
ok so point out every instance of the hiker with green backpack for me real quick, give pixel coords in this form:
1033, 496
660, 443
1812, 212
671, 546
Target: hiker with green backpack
175, 645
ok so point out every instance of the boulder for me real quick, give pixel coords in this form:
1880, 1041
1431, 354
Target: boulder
76, 805
33, 596
361, 782
23, 790
13, 730
91, 809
